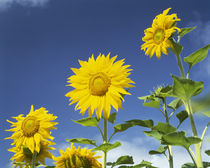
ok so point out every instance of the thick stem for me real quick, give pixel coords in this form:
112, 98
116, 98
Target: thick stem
34, 160
170, 160
192, 122
195, 134
104, 142
193, 159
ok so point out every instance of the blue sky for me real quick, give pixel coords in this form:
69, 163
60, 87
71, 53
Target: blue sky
41, 40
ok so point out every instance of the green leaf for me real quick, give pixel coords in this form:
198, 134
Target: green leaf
154, 104
206, 113
197, 56
122, 127
164, 128
177, 48
191, 165
188, 165
82, 141
186, 88
207, 152
142, 123
185, 30
124, 160
179, 139
175, 104
88, 122
160, 150
156, 134
182, 115
112, 118
107, 146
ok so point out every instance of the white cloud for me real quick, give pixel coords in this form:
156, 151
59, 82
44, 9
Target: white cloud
4, 4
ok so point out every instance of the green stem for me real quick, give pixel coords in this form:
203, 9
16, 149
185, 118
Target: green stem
179, 61
170, 160
104, 142
193, 159
192, 122
34, 159
195, 134
111, 136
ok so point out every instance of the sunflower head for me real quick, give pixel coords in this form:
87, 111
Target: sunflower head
32, 129
157, 37
99, 84
23, 154
75, 158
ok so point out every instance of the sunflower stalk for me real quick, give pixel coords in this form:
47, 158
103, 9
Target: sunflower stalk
104, 142
33, 164
170, 159
188, 108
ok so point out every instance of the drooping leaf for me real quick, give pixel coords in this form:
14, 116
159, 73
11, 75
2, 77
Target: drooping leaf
88, 122
197, 56
142, 123
160, 150
188, 165
191, 165
179, 139
186, 88
185, 30
182, 115
175, 104
112, 118
122, 127
82, 141
206, 113
207, 152
107, 147
124, 160
177, 48
154, 104
156, 134
164, 128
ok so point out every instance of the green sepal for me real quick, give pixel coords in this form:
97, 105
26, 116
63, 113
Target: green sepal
107, 146
112, 118
82, 141
179, 139
185, 31
160, 150
186, 88
177, 48
197, 56
182, 115
88, 122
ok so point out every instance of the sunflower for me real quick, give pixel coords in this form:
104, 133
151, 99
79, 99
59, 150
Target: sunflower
99, 84
25, 155
157, 37
76, 158
32, 129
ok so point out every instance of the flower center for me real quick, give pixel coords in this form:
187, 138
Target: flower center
159, 36
30, 126
99, 84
